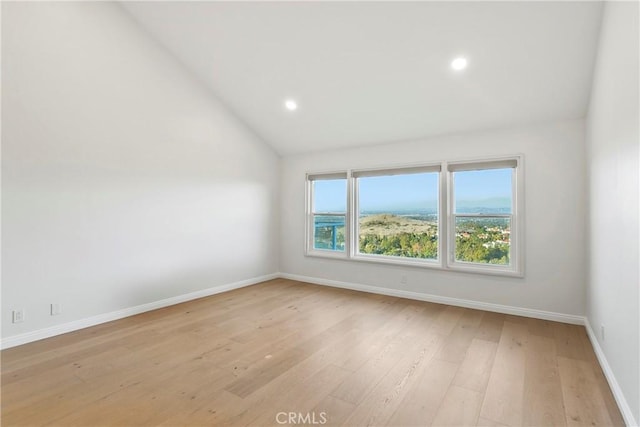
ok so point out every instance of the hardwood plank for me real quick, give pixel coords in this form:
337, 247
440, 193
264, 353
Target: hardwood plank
365, 378
383, 400
455, 347
569, 340
390, 323
483, 422
503, 400
300, 374
335, 410
447, 320
298, 330
490, 328
423, 398
603, 385
460, 407
180, 389
542, 389
303, 399
135, 369
542, 328
475, 369
214, 412
520, 320
582, 397
284, 317
257, 376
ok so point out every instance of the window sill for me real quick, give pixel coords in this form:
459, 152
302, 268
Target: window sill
415, 262
319, 253
419, 263
481, 269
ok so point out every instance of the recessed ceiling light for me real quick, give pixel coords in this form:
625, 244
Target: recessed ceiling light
460, 63
291, 105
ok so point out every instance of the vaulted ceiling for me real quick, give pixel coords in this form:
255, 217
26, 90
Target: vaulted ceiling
371, 72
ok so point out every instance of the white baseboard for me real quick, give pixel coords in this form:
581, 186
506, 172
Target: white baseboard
498, 308
126, 312
611, 379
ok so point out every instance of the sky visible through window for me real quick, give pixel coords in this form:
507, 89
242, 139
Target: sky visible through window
399, 193
488, 190
330, 195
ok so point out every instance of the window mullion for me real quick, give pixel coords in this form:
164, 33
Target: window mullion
349, 217
443, 216
309, 216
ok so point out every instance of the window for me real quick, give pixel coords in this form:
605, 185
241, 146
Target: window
463, 216
397, 213
483, 214
328, 212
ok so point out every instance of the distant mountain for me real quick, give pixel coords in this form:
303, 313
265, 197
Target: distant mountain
490, 203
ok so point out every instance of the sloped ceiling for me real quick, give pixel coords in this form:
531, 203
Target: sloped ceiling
365, 73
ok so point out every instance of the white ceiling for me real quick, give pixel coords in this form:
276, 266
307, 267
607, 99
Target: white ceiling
366, 73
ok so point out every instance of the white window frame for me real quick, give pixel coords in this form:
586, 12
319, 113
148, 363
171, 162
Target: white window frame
311, 214
355, 223
516, 262
446, 216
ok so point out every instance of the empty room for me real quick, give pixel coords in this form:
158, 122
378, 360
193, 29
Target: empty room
320, 213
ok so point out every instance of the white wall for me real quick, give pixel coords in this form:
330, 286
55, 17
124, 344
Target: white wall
124, 180
612, 140
554, 198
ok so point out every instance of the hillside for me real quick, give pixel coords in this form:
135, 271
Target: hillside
388, 224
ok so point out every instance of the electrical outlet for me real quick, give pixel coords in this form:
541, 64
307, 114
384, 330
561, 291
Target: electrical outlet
18, 315
602, 332
56, 309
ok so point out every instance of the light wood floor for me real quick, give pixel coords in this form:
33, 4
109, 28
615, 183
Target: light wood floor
243, 357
